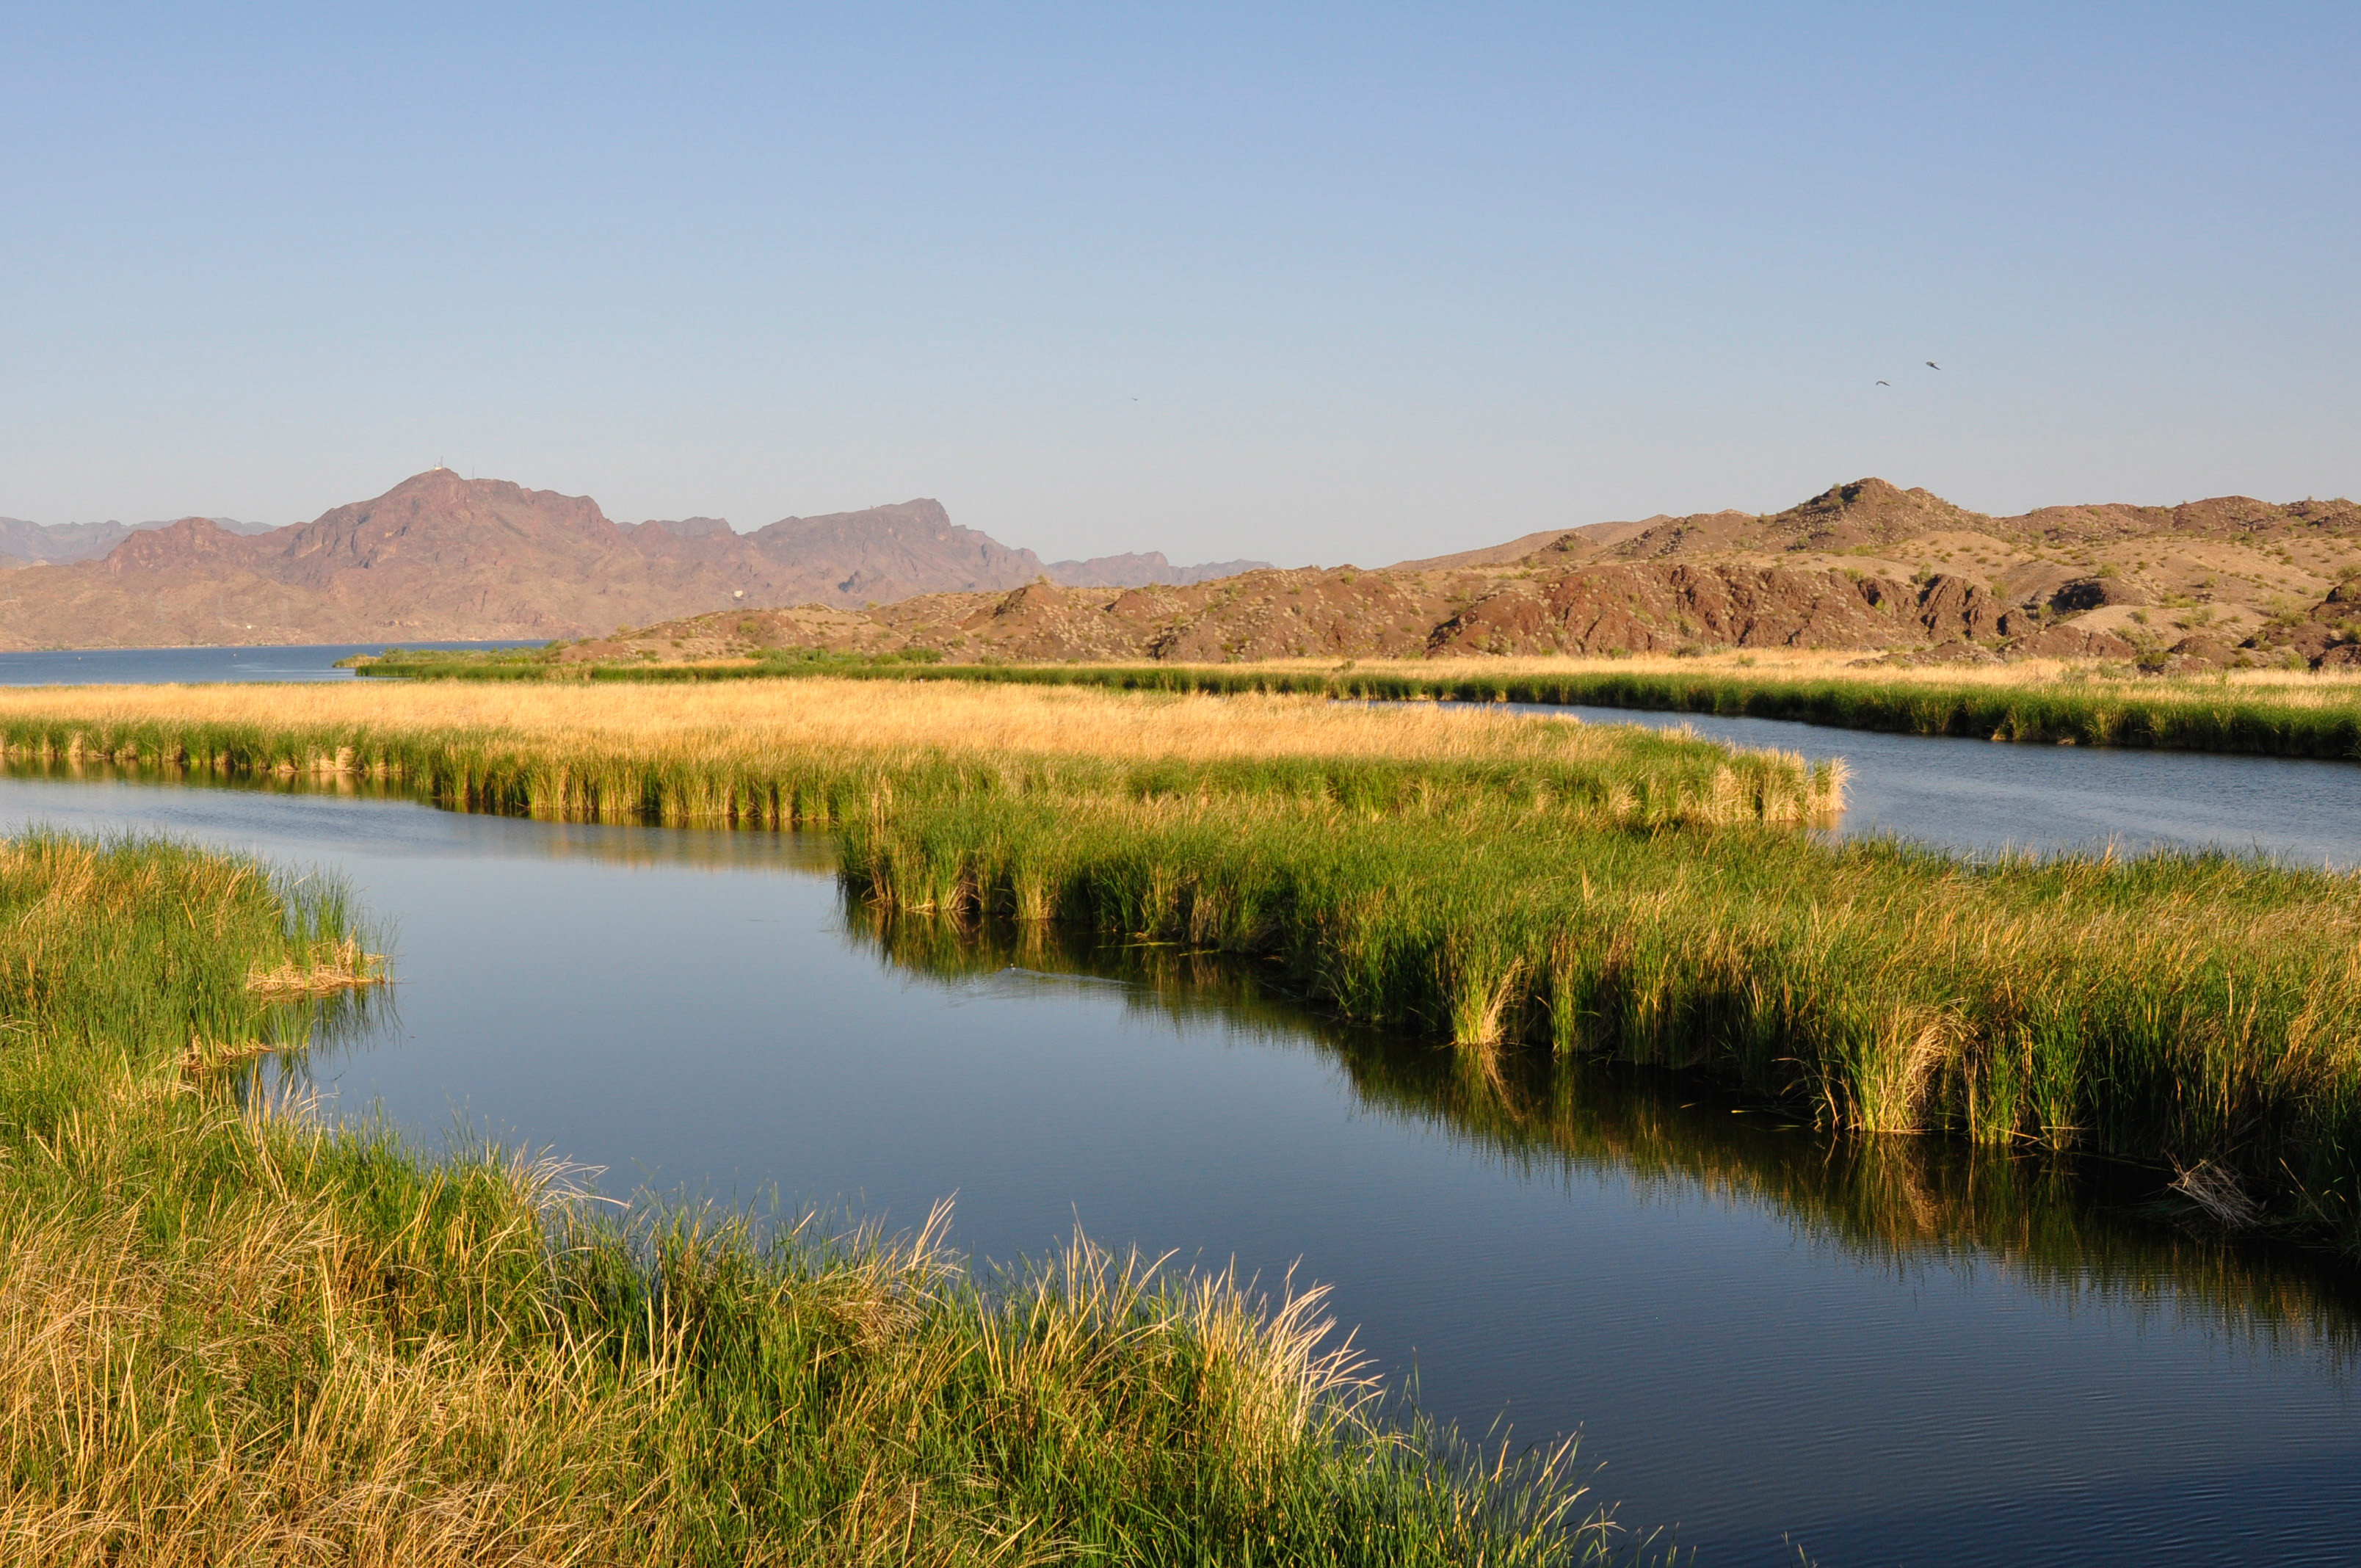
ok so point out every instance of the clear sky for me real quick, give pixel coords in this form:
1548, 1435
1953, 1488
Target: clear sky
1286, 281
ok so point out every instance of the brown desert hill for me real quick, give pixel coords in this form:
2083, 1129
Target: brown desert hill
1517, 549
442, 557
437, 557
1866, 566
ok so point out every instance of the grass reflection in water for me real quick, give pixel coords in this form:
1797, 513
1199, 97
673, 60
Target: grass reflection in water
2071, 1227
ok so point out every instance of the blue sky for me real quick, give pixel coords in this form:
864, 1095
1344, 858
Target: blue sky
1302, 283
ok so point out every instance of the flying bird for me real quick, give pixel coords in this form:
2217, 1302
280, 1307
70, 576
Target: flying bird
1932, 365
1885, 383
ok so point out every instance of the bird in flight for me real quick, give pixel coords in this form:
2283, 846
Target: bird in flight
1932, 365
1885, 383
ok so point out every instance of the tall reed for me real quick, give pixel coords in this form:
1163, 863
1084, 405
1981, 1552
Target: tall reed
2067, 1225
2184, 1008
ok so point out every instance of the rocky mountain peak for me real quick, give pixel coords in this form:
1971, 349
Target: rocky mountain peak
1867, 511
192, 541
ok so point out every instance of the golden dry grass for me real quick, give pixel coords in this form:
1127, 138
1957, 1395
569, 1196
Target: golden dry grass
780, 752
331, 967
825, 715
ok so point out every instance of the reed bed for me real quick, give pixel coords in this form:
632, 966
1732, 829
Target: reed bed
2263, 712
229, 1333
817, 752
2069, 1227
1461, 875
2181, 1008
2281, 716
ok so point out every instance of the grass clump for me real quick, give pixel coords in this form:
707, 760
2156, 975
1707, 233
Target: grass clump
230, 1334
2174, 1008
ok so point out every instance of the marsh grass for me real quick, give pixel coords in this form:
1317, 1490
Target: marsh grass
230, 1334
2068, 1225
2176, 1007
2306, 716
1457, 874
329, 969
817, 752
2269, 713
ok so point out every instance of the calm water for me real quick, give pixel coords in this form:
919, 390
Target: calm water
150, 666
1979, 796
1893, 1354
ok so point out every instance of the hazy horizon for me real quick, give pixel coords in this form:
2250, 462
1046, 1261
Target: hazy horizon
1328, 285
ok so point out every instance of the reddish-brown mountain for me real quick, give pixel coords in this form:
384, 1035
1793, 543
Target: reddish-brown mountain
1864, 566
439, 556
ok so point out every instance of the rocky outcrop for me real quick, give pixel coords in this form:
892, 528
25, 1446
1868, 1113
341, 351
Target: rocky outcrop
2327, 634
688, 527
1665, 607
2070, 642
63, 543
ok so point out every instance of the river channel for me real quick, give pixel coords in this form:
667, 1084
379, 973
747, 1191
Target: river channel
1886, 1354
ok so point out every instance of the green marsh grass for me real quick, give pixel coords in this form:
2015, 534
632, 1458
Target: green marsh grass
230, 1334
2068, 1224
1586, 890
2173, 1008
2180, 715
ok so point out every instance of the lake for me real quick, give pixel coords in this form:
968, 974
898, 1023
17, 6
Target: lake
1980, 798
151, 666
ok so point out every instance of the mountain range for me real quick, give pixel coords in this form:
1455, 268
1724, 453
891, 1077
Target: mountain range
1864, 565
1900, 574
442, 557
